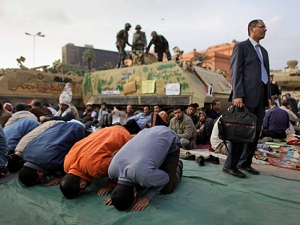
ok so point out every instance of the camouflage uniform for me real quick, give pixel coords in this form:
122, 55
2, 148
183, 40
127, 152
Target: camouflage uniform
122, 40
161, 46
139, 41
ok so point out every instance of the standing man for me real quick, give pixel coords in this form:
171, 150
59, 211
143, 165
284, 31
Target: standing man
249, 68
161, 46
122, 40
139, 41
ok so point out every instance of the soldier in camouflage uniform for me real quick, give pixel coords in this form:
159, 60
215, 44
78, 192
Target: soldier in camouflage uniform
122, 40
139, 41
161, 46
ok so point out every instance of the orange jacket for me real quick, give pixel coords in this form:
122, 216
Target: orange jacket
90, 157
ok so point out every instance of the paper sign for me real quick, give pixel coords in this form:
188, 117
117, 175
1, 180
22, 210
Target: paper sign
148, 86
173, 89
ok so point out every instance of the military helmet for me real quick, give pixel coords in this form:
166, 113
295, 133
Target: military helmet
138, 27
153, 33
127, 25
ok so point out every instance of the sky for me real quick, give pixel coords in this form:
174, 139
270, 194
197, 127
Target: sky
192, 24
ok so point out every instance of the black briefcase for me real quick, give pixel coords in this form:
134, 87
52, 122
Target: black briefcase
237, 126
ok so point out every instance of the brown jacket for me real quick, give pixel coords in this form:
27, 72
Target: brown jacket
4, 116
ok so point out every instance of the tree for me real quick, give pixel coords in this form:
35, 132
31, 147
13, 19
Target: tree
201, 57
59, 67
89, 57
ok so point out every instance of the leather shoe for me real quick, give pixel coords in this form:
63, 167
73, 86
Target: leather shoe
200, 160
212, 159
249, 169
235, 173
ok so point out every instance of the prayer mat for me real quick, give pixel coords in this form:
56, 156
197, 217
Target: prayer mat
285, 157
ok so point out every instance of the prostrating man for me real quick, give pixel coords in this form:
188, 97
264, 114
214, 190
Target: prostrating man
183, 125
20, 113
15, 131
90, 158
149, 160
3, 152
15, 160
44, 155
249, 68
275, 123
161, 46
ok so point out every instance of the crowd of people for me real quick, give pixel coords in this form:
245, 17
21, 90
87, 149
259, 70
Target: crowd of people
137, 148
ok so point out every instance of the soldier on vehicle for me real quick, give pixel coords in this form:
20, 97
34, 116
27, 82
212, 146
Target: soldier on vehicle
161, 46
122, 40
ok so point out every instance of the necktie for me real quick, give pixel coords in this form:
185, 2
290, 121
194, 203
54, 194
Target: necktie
264, 74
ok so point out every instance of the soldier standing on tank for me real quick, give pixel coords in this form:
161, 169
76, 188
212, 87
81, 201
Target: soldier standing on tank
139, 41
161, 46
122, 40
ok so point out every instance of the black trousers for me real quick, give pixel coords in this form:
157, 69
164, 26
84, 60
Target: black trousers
171, 166
240, 154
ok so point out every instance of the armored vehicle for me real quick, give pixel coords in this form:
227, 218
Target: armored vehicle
170, 83
18, 85
289, 79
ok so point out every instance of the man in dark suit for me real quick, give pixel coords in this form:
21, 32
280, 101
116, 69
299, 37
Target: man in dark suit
250, 87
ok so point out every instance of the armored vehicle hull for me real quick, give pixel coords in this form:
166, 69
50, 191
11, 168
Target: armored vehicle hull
166, 83
20, 85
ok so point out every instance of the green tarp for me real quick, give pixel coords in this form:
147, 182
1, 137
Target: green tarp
205, 196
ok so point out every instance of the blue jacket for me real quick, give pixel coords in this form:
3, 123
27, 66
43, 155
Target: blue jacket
3, 149
139, 160
48, 149
15, 131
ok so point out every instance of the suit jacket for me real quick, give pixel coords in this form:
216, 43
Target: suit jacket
245, 69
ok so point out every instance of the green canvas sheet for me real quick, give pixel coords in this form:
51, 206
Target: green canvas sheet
205, 196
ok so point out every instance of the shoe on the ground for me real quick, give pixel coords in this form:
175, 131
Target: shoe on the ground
249, 169
212, 159
200, 160
235, 173
188, 156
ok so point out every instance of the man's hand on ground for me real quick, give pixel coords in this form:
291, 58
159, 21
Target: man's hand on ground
140, 204
54, 181
104, 191
107, 201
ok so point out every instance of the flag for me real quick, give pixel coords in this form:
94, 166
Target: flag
209, 90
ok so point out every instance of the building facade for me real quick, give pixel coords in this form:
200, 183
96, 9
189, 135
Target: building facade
218, 57
72, 55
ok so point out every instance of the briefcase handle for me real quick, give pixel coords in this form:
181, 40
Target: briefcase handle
234, 108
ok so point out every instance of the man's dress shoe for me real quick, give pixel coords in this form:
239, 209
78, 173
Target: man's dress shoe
235, 173
249, 169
